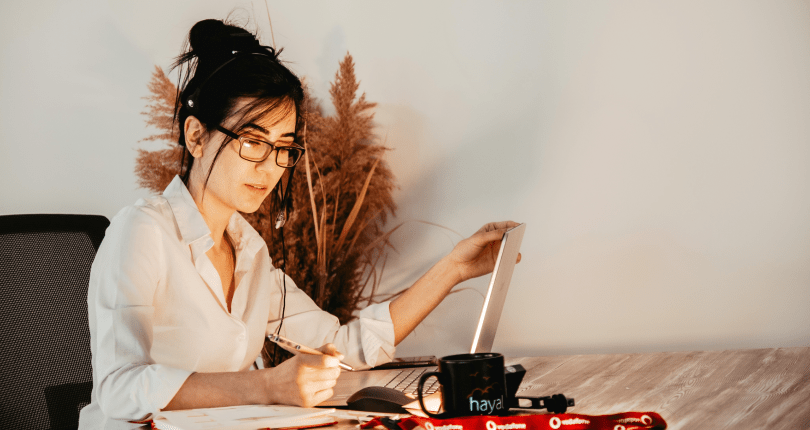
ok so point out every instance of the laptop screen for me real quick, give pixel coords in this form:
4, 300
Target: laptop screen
496, 293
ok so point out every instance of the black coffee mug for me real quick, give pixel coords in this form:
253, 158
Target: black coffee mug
471, 384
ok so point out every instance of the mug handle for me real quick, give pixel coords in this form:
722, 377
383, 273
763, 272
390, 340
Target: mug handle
422, 380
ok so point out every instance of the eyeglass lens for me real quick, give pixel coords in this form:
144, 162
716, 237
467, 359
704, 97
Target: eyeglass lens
255, 150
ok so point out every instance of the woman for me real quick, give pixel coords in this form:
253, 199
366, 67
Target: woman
182, 290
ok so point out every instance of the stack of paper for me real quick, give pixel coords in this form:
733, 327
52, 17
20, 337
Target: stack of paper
433, 403
249, 417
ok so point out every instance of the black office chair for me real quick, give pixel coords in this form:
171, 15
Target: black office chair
45, 346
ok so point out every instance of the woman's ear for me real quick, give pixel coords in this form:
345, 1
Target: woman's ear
194, 131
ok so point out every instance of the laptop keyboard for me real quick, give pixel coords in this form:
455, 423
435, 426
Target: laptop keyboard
407, 381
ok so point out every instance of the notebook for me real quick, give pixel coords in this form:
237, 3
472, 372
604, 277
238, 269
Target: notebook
403, 375
247, 417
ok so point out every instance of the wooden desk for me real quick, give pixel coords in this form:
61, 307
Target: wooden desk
742, 389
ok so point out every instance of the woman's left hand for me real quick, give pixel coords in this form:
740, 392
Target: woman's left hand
475, 256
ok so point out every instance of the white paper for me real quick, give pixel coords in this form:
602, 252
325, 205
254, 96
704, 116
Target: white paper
249, 417
433, 403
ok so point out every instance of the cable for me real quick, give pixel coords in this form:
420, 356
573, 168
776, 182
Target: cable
283, 281
283, 268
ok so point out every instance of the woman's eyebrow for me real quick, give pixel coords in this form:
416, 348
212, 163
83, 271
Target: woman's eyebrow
264, 130
255, 127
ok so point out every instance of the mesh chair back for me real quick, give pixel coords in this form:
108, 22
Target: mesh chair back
45, 347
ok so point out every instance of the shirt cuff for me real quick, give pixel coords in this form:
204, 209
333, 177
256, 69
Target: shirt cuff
138, 391
171, 380
377, 334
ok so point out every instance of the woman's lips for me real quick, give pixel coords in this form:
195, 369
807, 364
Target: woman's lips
256, 187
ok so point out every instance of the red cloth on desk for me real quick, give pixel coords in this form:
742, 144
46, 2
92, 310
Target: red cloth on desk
623, 421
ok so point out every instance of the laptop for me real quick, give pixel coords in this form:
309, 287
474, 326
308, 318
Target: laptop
403, 374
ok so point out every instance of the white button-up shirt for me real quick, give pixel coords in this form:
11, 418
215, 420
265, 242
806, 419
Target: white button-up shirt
158, 313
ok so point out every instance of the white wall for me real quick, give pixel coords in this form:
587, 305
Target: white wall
659, 151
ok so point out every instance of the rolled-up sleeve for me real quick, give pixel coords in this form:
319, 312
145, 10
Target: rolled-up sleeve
366, 341
127, 383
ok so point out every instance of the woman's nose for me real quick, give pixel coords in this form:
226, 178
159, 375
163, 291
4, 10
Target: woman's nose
269, 163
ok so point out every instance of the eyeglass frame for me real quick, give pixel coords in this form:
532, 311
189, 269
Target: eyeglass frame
273, 147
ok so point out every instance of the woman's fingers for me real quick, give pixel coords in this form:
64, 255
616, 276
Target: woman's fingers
493, 231
331, 349
476, 255
489, 236
319, 374
306, 379
322, 366
322, 396
316, 386
498, 225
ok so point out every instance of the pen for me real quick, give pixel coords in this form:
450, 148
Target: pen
297, 347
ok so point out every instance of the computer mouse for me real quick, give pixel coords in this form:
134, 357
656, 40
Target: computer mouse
379, 399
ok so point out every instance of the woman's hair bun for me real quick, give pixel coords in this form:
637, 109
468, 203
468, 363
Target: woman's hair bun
217, 40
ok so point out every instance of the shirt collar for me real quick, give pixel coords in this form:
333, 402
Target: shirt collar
190, 222
193, 228
246, 240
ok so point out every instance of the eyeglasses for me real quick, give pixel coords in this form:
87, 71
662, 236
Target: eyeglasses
256, 150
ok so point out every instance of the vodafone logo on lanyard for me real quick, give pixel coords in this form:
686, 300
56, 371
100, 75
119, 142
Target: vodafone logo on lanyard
556, 422
644, 419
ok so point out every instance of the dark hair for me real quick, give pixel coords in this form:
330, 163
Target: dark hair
220, 64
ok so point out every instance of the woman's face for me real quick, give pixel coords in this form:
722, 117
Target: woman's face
236, 183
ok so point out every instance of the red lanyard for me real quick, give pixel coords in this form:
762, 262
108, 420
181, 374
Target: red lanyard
624, 421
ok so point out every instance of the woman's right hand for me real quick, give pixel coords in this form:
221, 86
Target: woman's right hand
304, 380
